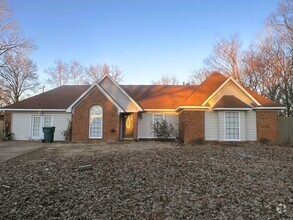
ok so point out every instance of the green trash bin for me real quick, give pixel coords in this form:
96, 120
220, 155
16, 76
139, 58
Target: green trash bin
48, 134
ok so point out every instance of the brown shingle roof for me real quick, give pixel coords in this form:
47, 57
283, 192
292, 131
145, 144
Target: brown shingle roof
147, 96
230, 101
210, 85
159, 96
59, 98
265, 102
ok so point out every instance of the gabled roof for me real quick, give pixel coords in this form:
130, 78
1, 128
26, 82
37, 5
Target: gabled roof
159, 96
59, 98
211, 84
156, 97
265, 102
230, 101
118, 94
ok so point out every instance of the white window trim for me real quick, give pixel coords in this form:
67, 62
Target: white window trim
238, 126
102, 123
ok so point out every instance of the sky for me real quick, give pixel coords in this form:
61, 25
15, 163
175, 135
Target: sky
146, 39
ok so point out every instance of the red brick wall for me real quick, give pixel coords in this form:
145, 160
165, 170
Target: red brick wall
191, 125
7, 119
80, 118
267, 126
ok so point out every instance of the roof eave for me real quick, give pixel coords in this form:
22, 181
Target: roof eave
190, 107
32, 110
159, 110
232, 109
269, 108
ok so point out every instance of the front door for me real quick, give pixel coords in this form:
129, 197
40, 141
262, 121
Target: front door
127, 125
38, 122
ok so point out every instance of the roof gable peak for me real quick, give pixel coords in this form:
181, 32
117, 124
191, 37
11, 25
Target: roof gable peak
237, 84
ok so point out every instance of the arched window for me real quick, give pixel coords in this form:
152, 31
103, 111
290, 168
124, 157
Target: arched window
96, 122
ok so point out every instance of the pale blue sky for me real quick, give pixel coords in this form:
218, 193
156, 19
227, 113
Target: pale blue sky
144, 38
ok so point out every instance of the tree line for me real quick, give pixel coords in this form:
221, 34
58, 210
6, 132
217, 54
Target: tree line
265, 66
73, 73
18, 73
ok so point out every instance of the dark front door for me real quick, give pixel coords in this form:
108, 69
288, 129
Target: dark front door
127, 123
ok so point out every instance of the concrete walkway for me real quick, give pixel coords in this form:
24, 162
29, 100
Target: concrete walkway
11, 149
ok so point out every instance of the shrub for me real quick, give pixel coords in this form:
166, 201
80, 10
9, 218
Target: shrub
6, 134
164, 130
67, 133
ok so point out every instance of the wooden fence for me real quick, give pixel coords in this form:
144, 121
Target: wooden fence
286, 130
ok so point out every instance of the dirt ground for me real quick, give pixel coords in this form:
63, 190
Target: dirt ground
149, 180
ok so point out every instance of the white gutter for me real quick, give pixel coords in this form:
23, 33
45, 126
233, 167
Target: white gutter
192, 107
159, 110
269, 108
232, 109
32, 110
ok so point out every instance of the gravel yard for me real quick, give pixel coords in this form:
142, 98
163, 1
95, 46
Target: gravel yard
149, 180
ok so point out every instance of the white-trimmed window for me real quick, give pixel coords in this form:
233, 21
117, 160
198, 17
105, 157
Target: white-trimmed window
47, 121
96, 122
36, 127
232, 126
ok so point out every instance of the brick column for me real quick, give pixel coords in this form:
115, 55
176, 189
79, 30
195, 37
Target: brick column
267, 126
135, 125
191, 125
7, 119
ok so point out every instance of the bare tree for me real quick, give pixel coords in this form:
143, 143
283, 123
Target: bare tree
198, 76
59, 74
277, 47
19, 77
95, 72
226, 57
166, 80
11, 41
254, 69
76, 73
281, 20
266, 66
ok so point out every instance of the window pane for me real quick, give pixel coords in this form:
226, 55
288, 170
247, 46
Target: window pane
36, 126
96, 118
47, 121
232, 125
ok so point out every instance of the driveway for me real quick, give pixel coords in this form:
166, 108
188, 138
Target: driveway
11, 149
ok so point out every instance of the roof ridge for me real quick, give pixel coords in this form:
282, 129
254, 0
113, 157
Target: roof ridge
155, 85
199, 86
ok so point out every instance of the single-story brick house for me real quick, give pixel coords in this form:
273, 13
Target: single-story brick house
219, 109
